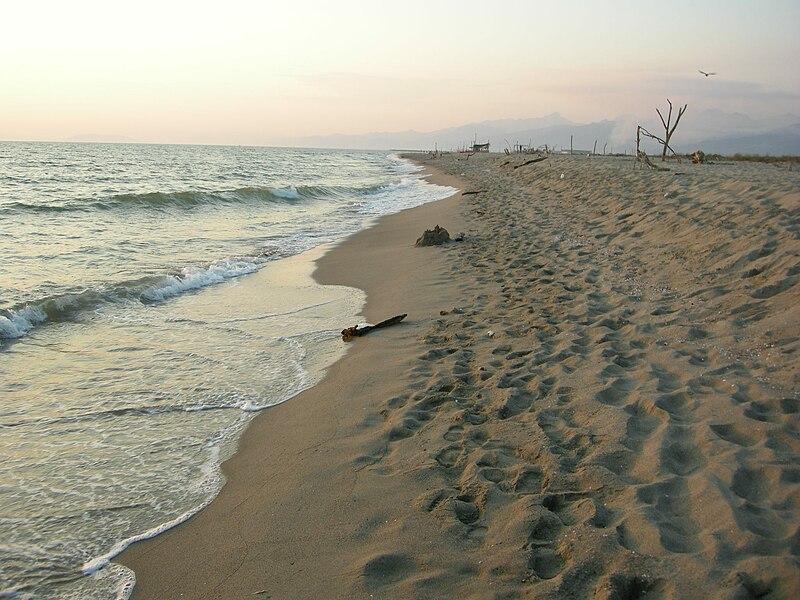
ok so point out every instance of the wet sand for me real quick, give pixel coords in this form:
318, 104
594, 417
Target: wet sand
595, 395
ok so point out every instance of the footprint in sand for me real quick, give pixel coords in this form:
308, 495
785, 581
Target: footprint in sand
465, 509
449, 456
634, 587
668, 381
617, 393
454, 433
734, 433
625, 538
569, 442
767, 411
645, 419
671, 512
529, 480
680, 454
518, 401
545, 563
387, 569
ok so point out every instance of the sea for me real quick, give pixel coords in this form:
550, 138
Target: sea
153, 299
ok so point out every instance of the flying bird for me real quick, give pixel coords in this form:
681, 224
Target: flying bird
706, 74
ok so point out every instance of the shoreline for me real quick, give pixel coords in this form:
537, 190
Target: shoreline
287, 287
596, 394
293, 426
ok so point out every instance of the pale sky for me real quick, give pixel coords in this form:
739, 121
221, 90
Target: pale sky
246, 72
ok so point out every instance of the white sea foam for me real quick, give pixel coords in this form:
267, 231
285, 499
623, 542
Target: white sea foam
289, 193
99, 562
17, 323
407, 193
210, 484
192, 278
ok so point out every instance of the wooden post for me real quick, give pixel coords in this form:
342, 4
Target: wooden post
570, 145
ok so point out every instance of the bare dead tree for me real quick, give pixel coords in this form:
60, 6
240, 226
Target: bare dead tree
667, 130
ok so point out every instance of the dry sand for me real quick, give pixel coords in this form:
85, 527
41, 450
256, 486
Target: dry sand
628, 429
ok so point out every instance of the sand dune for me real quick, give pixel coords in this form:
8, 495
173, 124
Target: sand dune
596, 396
631, 428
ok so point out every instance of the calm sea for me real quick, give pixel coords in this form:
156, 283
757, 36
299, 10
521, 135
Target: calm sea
151, 300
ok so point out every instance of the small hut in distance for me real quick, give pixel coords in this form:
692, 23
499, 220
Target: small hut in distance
480, 147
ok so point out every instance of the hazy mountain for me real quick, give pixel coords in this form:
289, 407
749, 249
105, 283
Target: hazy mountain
709, 130
505, 126
713, 124
779, 142
445, 139
582, 137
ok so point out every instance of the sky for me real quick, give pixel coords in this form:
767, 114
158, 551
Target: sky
246, 72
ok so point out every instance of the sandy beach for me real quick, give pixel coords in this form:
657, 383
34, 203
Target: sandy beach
594, 395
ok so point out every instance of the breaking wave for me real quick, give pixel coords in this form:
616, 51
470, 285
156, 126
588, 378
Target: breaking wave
183, 200
18, 321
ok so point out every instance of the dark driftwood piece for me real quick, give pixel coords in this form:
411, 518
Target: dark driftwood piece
471, 193
356, 331
530, 162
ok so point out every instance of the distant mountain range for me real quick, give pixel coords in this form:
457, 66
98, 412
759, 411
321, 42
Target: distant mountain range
712, 131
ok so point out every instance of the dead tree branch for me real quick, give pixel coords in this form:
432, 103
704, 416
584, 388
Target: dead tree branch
641, 155
667, 130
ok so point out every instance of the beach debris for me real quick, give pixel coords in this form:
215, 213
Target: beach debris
490, 333
562, 176
641, 157
473, 192
359, 330
433, 237
699, 157
459, 237
530, 162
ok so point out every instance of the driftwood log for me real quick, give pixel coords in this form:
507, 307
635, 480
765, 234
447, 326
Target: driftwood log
530, 162
356, 331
